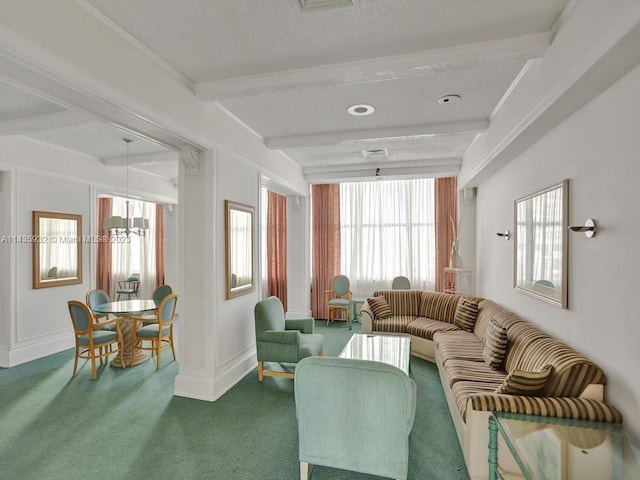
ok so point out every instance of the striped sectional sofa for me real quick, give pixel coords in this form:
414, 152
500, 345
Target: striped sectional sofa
489, 359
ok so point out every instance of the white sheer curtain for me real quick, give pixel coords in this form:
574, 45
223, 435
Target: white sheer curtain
135, 256
387, 229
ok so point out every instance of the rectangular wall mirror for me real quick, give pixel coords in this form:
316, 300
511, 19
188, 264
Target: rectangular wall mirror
541, 221
57, 249
239, 248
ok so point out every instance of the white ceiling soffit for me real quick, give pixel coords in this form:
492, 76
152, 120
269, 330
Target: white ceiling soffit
289, 73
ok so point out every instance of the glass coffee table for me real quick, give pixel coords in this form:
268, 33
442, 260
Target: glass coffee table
392, 349
546, 448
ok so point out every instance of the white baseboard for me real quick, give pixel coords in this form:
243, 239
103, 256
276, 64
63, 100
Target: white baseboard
298, 314
20, 354
210, 389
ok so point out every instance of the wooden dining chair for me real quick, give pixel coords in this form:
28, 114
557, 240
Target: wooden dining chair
339, 298
92, 341
128, 287
158, 295
159, 333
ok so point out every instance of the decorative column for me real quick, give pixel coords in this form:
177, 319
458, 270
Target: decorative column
197, 263
298, 257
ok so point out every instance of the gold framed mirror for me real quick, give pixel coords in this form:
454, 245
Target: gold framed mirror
57, 249
239, 235
541, 241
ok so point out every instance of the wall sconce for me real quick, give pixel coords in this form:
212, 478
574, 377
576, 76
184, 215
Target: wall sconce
506, 234
589, 228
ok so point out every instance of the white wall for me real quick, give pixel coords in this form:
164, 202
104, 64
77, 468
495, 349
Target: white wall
597, 150
6, 252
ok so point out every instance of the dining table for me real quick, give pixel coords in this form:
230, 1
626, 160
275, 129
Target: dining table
127, 310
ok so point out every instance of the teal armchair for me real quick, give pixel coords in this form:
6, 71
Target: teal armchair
283, 340
354, 415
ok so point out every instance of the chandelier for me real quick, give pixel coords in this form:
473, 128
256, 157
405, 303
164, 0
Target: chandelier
117, 225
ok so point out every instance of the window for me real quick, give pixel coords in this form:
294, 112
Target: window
387, 229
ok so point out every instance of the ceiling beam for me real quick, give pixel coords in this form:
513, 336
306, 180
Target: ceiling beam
39, 123
359, 173
373, 70
332, 138
152, 158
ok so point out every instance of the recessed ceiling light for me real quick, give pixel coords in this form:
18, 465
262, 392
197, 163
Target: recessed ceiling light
449, 99
375, 152
361, 109
325, 3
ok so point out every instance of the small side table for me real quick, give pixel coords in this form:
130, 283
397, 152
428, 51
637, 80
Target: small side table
357, 302
547, 448
457, 280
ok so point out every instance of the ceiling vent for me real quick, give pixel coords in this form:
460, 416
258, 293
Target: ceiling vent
326, 3
375, 152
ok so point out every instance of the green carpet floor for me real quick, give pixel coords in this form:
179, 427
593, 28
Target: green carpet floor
128, 425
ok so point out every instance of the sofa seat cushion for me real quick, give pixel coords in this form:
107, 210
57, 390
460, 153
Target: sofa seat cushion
461, 392
427, 327
458, 344
468, 370
393, 324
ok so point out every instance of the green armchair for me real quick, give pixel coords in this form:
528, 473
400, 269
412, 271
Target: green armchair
354, 415
282, 340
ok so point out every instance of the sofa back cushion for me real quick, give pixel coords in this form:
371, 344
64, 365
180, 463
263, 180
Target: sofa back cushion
401, 302
438, 306
487, 310
571, 372
520, 336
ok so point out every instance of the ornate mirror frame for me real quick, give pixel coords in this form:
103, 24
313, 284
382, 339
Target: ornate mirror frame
541, 244
239, 243
57, 249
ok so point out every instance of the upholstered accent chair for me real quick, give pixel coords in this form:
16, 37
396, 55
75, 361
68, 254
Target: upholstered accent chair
401, 283
283, 340
339, 297
354, 415
92, 340
159, 333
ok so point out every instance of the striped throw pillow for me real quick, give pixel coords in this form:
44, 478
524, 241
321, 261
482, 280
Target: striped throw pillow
495, 345
466, 314
520, 382
380, 307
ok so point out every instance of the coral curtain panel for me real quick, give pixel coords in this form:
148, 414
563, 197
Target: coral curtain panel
325, 253
277, 247
103, 270
446, 217
159, 233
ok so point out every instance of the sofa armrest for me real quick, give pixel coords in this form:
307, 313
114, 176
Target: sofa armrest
366, 318
303, 325
272, 336
574, 408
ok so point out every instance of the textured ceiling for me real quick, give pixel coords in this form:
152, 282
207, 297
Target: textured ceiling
290, 74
